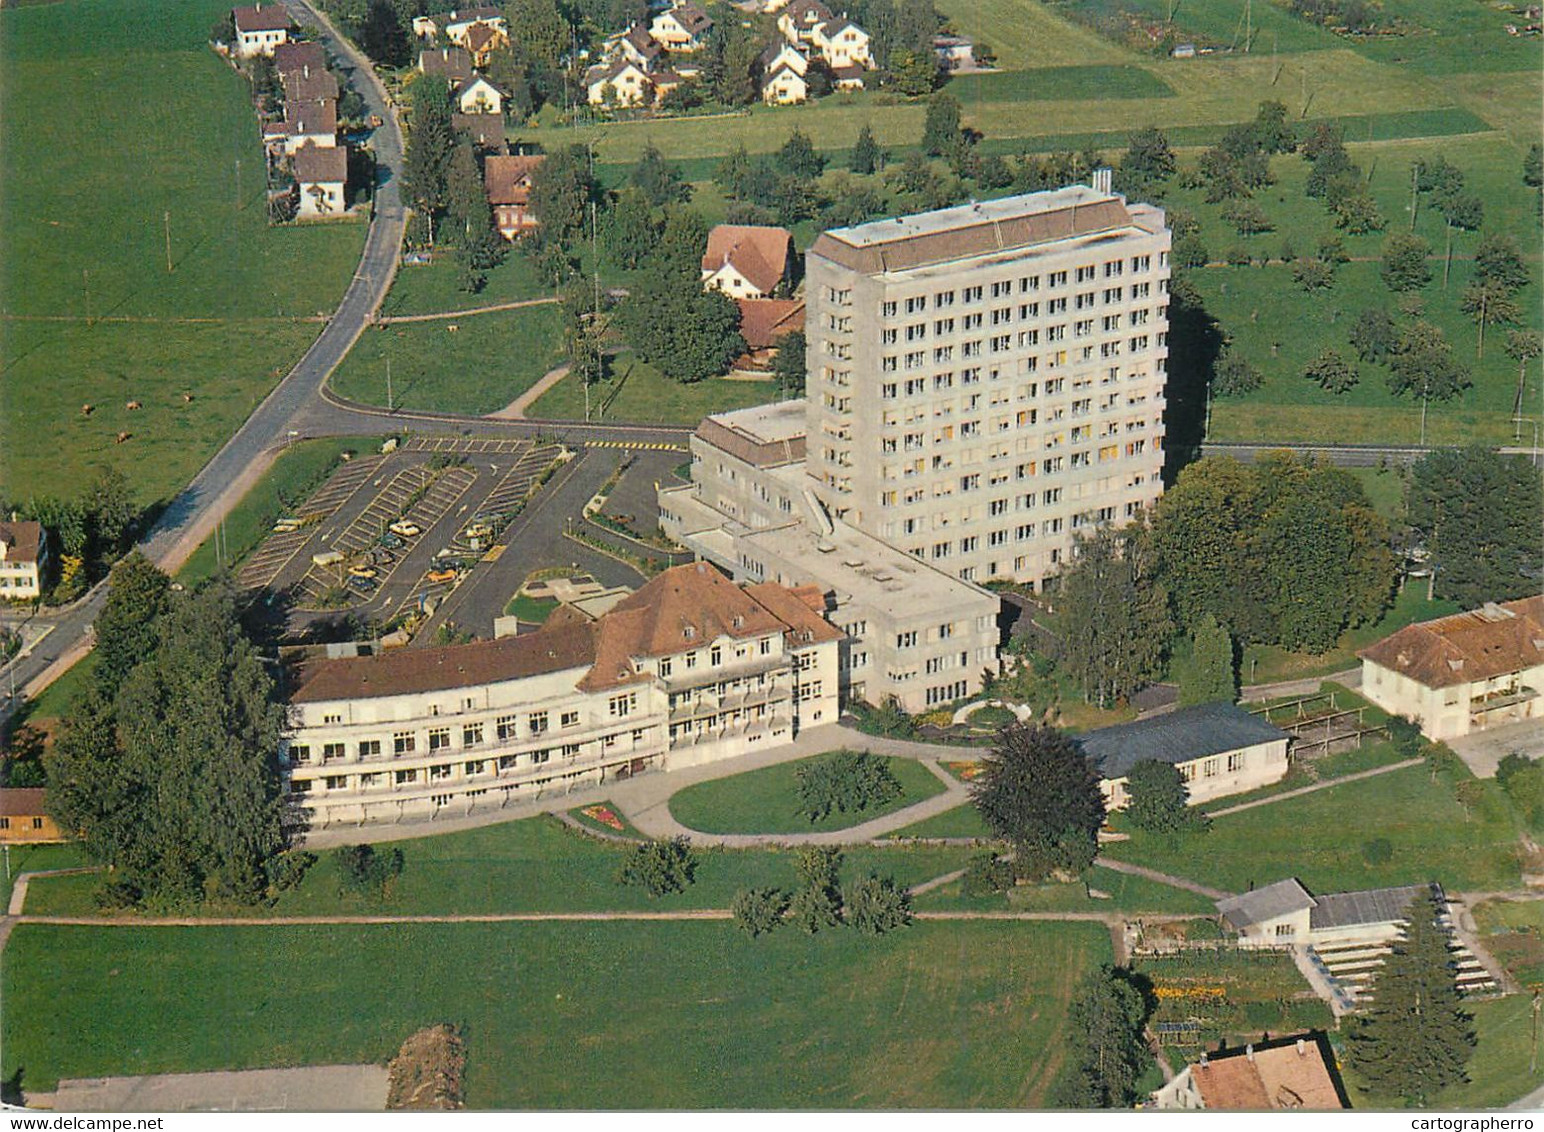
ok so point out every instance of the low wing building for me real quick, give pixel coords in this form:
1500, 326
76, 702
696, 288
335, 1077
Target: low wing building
689, 669
1462, 673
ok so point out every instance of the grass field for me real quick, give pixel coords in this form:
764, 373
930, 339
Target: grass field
639, 392
767, 800
431, 288
597, 1016
476, 364
156, 125
537, 865
962, 821
1059, 83
35, 858
294, 475
1319, 839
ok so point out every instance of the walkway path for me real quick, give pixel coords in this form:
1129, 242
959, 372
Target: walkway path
389, 320
1325, 785
1162, 878
515, 410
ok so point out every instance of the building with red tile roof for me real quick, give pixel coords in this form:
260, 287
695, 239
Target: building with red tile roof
747, 261
1294, 1073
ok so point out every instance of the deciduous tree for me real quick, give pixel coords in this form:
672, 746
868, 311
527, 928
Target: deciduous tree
1210, 676
1106, 1018
1112, 614
1038, 790
1332, 372
1478, 514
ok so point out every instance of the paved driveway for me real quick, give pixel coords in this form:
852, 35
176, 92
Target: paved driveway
1482, 750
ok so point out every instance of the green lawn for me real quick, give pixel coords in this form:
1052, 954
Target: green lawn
223, 325
1027, 33
767, 800
538, 865
1123, 893
298, 471
1514, 932
594, 1016
962, 821
1318, 839
639, 392
35, 858
430, 288
1049, 83
532, 609
476, 364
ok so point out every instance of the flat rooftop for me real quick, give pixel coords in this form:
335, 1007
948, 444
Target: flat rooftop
766, 424
876, 232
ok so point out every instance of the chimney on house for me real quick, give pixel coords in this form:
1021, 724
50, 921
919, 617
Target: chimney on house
1302, 1048
1249, 1051
1102, 180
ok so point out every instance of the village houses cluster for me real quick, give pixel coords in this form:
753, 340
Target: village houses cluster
643, 64
305, 138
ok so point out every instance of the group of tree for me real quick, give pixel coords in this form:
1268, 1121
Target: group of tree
782, 187
1477, 514
1239, 164
1417, 357
444, 184
1110, 1006
659, 867
1522, 781
167, 769
1281, 552
1338, 181
846, 782
872, 904
87, 532
1159, 800
364, 871
1113, 611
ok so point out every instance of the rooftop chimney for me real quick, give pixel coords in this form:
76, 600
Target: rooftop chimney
1249, 1051
1302, 1048
1102, 180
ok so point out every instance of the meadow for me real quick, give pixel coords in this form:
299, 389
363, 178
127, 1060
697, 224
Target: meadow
595, 1015
162, 152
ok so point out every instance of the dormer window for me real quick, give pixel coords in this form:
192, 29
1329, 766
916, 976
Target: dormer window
690, 632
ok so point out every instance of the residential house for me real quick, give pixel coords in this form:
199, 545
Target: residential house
763, 322
310, 84
508, 181
1462, 673
450, 63
321, 174
486, 131
23, 559
304, 121
842, 44
24, 817
636, 45
682, 27
915, 633
1218, 749
747, 261
783, 67
851, 77
1288, 1073
297, 55
690, 669
260, 28
479, 96
619, 83
482, 40
955, 52
799, 20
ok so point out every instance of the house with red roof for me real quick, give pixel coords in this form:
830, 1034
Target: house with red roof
747, 261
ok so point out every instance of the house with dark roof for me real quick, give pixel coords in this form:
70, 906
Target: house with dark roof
621, 82
763, 322
314, 122
308, 83
23, 558
298, 55
477, 95
508, 182
260, 28
691, 668
321, 175
1219, 749
682, 27
747, 261
1294, 1073
799, 19
1285, 913
486, 131
1462, 673
450, 63
842, 44
783, 67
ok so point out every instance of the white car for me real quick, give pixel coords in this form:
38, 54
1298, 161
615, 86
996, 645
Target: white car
404, 529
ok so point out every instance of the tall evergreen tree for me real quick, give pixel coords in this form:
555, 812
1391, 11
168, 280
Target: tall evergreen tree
430, 142
1210, 675
561, 192
1106, 1016
1416, 1038
941, 129
1038, 790
867, 157
125, 630
659, 181
1477, 513
1113, 614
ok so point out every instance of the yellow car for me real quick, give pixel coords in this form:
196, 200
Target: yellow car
362, 571
440, 576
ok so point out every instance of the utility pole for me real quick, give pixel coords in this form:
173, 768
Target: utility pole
389, 405
1533, 1056
167, 220
238, 184
1415, 195
85, 282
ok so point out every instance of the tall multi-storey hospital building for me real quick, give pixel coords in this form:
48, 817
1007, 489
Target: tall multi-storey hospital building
983, 382
986, 380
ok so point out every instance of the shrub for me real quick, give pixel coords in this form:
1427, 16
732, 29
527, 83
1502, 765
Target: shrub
845, 781
287, 869
876, 905
759, 910
1378, 851
985, 875
364, 872
661, 867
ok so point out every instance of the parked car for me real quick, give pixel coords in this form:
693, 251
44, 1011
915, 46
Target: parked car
391, 541
440, 575
405, 529
361, 570
362, 585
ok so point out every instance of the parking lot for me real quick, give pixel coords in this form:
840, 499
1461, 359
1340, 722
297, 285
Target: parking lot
446, 528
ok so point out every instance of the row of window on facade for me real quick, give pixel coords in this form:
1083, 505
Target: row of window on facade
1005, 316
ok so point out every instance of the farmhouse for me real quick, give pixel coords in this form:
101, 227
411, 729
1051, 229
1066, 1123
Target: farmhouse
321, 174
762, 323
508, 181
1462, 673
297, 56
24, 817
23, 558
1289, 1073
746, 261
260, 29
689, 669
1219, 749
